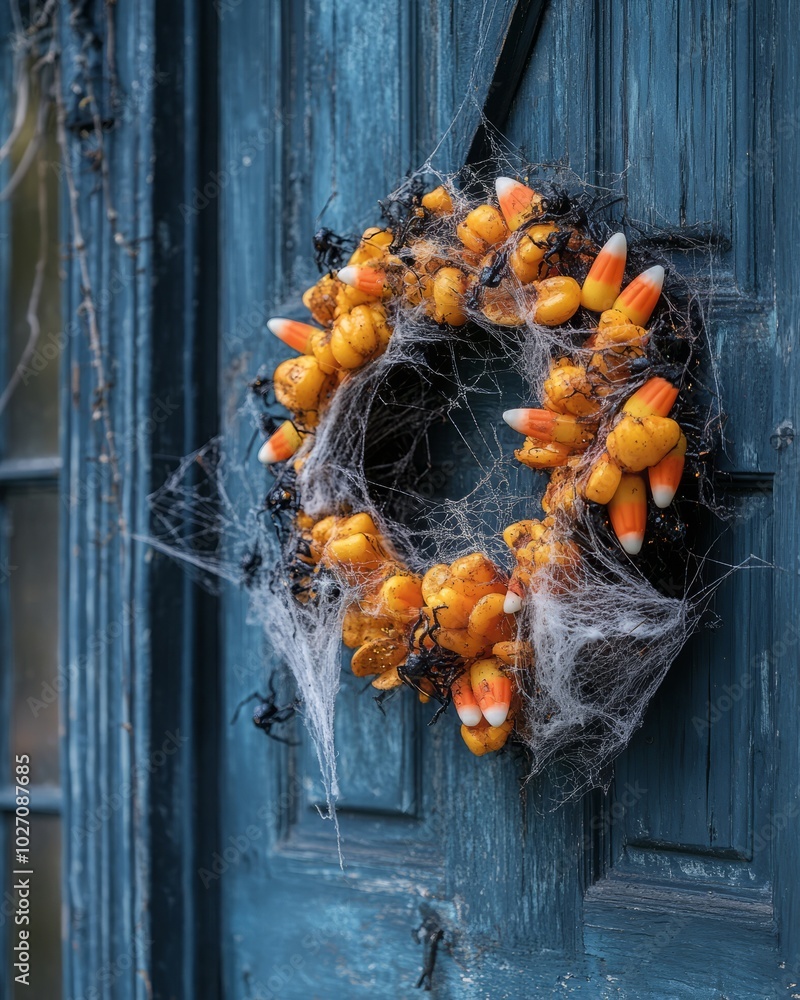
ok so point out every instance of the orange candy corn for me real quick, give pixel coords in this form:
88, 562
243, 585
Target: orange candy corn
281, 445
492, 689
465, 702
639, 299
370, 280
295, 335
628, 512
604, 280
545, 425
655, 399
665, 477
518, 203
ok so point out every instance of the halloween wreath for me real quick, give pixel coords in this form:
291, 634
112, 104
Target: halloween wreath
559, 646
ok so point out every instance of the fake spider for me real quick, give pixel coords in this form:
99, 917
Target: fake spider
437, 666
330, 249
267, 713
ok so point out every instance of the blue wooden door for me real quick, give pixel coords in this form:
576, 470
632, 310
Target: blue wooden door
681, 882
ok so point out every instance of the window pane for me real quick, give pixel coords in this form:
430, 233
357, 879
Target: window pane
32, 545
32, 417
45, 908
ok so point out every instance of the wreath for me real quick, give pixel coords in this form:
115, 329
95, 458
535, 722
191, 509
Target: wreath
558, 645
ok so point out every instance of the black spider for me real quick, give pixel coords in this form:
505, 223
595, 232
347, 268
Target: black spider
330, 249
267, 713
437, 666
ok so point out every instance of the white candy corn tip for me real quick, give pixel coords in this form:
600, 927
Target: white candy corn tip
348, 275
512, 604
470, 715
616, 246
663, 496
655, 275
632, 544
266, 454
515, 419
496, 715
503, 185
276, 326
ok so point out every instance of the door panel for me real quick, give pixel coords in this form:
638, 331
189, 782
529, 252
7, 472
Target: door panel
664, 886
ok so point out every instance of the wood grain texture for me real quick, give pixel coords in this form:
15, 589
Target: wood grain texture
688, 889
134, 636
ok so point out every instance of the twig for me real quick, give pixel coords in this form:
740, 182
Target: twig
23, 88
31, 151
32, 313
87, 305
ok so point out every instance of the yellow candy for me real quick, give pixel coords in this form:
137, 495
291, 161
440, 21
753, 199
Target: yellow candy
320, 299
377, 655
438, 201
434, 580
558, 300
301, 385
449, 288
359, 551
474, 568
321, 348
526, 259
603, 480
542, 455
388, 679
639, 442
488, 621
451, 608
568, 390
401, 595
360, 627
515, 653
483, 228
484, 738
459, 641
354, 339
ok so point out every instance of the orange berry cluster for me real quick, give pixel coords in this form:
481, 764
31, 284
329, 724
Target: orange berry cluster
453, 633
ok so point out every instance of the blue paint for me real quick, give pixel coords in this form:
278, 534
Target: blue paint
684, 890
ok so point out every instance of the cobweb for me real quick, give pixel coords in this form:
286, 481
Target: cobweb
603, 643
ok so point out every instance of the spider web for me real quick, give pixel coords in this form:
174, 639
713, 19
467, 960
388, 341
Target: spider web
415, 438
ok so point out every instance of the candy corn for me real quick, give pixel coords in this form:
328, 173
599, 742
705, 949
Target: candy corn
492, 689
465, 702
639, 299
281, 445
544, 425
628, 512
665, 477
604, 280
294, 334
517, 202
655, 398
365, 278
